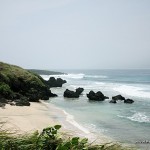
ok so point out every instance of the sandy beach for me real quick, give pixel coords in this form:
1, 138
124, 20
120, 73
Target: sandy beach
40, 115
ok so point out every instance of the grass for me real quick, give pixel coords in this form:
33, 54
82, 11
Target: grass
12, 72
49, 139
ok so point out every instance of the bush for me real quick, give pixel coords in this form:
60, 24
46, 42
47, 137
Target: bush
5, 90
49, 139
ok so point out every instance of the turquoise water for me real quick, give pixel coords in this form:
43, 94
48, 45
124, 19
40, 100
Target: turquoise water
122, 122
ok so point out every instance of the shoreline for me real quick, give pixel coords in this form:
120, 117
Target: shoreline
28, 119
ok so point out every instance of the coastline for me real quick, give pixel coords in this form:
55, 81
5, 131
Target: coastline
40, 115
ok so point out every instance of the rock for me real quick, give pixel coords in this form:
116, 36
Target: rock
99, 96
118, 97
129, 101
11, 103
113, 101
79, 90
45, 98
106, 97
52, 95
22, 102
71, 94
52, 82
2, 105
3, 100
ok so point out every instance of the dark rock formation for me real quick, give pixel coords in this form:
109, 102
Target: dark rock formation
79, 90
106, 97
52, 82
23, 101
129, 101
2, 105
113, 101
71, 94
118, 97
99, 96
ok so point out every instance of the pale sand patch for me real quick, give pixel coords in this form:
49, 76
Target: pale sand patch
27, 118
41, 115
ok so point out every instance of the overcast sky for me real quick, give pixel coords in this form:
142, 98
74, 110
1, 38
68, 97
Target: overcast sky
75, 34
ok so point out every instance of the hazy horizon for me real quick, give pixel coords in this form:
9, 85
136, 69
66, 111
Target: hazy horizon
75, 34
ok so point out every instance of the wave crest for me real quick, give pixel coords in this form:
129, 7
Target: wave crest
138, 117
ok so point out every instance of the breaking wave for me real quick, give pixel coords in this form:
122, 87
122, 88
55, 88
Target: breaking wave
138, 117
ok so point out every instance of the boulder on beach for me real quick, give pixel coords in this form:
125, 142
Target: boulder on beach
52, 82
129, 101
118, 97
22, 102
98, 96
70, 94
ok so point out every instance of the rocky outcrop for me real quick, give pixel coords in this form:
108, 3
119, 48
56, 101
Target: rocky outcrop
128, 101
52, 82
113, 101
79, 90
118, 97
71, 94
99, 96
21, 86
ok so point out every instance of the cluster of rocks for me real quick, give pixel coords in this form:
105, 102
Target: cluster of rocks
52, 82
73, 94
98, 96
121, 98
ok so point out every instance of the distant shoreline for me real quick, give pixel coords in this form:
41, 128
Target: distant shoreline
45, 72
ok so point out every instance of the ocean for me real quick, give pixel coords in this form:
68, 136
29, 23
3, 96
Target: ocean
127, 123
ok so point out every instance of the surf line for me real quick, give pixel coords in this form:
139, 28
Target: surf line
71, 120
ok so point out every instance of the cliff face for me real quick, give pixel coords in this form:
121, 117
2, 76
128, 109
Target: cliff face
16, 83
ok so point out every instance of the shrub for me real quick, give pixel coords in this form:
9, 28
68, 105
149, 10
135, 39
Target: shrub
49, 139
5, 89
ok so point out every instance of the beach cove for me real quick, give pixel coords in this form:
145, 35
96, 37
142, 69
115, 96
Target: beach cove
41, 115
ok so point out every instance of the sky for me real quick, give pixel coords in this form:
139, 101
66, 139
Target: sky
75, 34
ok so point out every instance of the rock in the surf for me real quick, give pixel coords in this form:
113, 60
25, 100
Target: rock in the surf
79, 90
98, 96
129, 101
118, 97
52, 82
71, 94
113, 101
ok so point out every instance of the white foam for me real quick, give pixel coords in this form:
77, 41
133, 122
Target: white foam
139, 117
65, 76
132, 91
71, 120
96, 76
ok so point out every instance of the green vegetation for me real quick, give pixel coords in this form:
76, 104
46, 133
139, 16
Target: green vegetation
49, 139
5, 89
44, 72
11, 73
18, 83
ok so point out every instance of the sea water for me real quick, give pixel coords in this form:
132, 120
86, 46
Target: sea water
129, 123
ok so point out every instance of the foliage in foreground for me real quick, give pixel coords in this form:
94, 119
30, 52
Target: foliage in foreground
49, 139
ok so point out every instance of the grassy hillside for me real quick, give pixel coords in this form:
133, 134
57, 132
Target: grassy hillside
18, 83
45, 72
